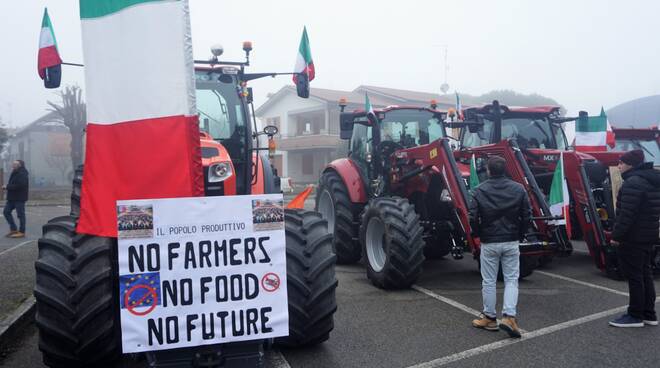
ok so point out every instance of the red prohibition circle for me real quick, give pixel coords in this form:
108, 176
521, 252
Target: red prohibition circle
268, 284
150, 292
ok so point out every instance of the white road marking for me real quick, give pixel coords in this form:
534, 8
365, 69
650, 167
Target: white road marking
451, 302
583, 283
443, 299
277, 360
15, 247
526, 336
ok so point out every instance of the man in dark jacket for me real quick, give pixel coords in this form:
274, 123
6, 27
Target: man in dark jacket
636, 234
500, 214
17, 195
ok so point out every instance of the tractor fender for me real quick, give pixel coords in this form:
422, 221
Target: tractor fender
350, 175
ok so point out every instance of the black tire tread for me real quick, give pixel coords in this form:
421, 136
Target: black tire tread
77, 309
405, 249
345, 234
311, 281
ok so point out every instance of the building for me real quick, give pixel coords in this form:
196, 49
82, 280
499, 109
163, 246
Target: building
45, 146
308, 136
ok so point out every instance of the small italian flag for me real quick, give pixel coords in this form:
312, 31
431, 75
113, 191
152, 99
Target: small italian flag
48, 56
474, 178
371, 114
459, 109
304, 62
559, 197
594, 133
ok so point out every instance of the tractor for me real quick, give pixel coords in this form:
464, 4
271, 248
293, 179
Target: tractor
399, 197
77, 296
532, 139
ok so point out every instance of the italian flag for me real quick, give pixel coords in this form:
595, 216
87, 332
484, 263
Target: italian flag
459, 108
559, 197
48, 55
304, 62
142, 132
594, 133
371, 114
474, 178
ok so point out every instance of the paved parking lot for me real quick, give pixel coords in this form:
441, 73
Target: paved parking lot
563, 308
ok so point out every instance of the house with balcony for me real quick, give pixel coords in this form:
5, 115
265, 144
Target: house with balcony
308, 136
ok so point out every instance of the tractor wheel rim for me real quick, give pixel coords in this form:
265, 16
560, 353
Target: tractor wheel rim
375, 244
327, 210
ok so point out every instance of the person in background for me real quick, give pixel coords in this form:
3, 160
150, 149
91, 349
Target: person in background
17, 195
500, 214
635, 233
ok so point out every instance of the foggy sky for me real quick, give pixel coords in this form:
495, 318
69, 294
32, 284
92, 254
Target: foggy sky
584, 54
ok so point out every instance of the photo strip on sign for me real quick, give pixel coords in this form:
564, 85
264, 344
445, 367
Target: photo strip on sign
200, 271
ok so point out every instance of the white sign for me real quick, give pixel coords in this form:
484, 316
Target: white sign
199, 271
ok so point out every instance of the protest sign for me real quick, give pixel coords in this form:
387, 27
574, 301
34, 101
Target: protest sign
199, 271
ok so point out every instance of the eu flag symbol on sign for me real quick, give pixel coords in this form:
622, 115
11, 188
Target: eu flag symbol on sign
139, 290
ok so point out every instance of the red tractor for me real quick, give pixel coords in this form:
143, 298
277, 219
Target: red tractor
76, 287
532, 140
400, 195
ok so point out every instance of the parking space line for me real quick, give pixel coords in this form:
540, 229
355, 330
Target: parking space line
277, 360
15, 247
526, 336
583, 283
446, 300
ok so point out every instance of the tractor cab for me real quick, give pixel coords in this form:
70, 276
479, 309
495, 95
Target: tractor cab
232, 159
372, 142
648, 140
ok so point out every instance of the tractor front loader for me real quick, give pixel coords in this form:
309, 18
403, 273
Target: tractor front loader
400, 197
532, 140
77, 295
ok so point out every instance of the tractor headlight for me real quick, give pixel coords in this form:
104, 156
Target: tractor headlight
219, 172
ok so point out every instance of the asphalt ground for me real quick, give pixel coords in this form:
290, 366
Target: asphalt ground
563, 308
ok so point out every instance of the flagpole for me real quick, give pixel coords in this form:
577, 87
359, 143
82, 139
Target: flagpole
72, 64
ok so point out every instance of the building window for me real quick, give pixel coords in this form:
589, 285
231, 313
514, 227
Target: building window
308, 164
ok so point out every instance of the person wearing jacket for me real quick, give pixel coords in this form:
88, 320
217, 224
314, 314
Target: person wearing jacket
500, 214
17, 195
635, 232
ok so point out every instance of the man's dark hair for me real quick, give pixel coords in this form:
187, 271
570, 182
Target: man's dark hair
496, 166
21, 162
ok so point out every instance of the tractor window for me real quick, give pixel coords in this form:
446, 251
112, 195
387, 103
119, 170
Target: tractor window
361, 142
560, 137
219, 106
650, 148
410, 127
530, 133
479, 138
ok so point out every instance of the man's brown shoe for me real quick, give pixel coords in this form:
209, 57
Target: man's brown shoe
485, 323
17, 234
510, 325
9, 234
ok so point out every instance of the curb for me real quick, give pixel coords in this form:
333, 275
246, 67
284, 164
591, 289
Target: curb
17, 319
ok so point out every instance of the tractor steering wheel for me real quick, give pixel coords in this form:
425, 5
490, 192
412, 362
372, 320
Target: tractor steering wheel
387, 148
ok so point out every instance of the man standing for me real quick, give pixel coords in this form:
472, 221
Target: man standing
17, 195
636, 233
500, 214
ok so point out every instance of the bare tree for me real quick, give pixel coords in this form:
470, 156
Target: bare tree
72, 112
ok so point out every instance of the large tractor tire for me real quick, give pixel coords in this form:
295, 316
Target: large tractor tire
311, 281
334, 204
76, 192
391, 236
76, 298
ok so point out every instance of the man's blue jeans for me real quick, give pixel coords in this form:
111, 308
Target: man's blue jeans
492, 255
19, 206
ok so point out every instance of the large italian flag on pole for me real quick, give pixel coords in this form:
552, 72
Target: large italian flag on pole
594, 133
559, 197
304, 62
142, 133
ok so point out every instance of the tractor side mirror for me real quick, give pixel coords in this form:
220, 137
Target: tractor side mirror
250, 97
346, 125
53, 77
302, 85
270, 130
